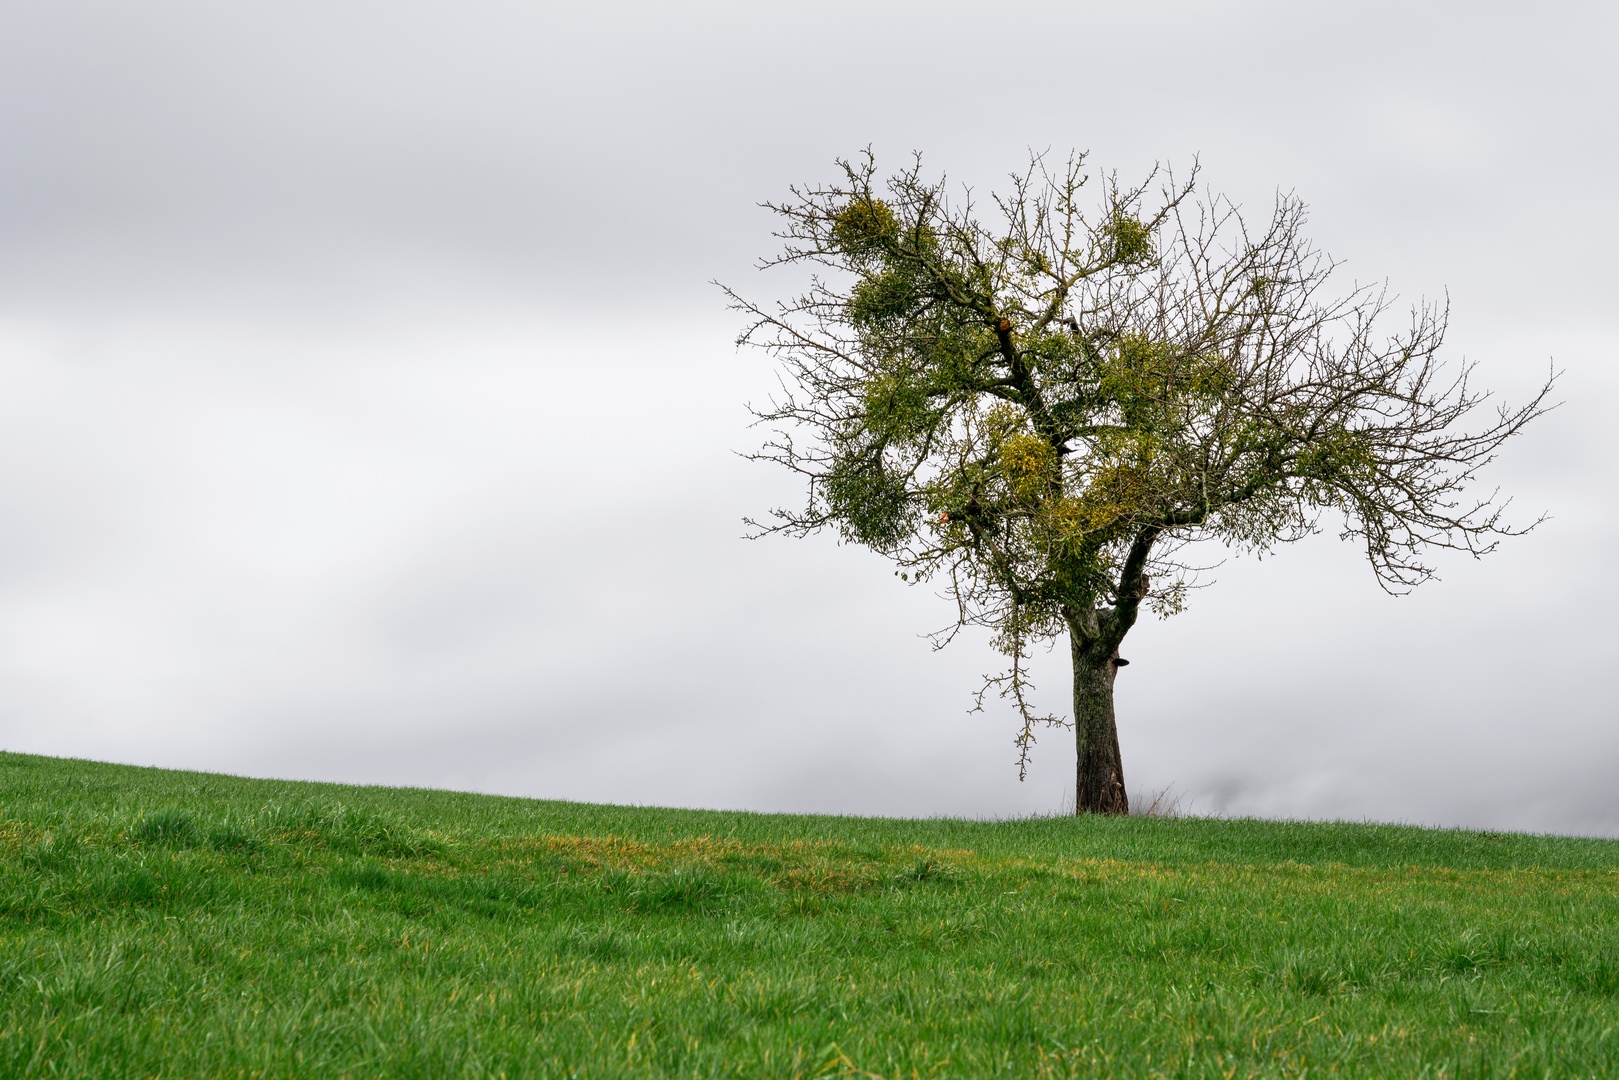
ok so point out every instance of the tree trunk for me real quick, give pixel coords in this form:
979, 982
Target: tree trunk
1099, 776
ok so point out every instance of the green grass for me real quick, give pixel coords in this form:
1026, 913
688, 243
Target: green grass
170, 924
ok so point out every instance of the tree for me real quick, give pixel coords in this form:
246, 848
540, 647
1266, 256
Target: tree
1041, 411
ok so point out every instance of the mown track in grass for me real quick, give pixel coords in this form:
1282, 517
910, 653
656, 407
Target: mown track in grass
157, 923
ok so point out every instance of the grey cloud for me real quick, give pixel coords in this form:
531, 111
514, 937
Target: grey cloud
369, 414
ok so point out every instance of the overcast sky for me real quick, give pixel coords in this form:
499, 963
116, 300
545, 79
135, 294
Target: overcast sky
366, 412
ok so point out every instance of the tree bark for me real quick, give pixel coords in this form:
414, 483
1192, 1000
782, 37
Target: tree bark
1094, 635
1099, 774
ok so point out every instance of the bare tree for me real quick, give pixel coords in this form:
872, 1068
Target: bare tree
1039, 411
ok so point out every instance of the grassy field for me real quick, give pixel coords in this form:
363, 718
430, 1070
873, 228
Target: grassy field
172, 924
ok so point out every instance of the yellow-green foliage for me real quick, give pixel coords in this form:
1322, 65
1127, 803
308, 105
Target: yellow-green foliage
1154, 385
883, 297
871, 503
1029, 464
865, 227
896, 407
1334, 454
1117, 494
1130, 241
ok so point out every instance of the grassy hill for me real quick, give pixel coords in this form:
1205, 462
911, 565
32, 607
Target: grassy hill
172, 924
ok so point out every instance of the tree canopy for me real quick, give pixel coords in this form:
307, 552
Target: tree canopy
1038, 403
